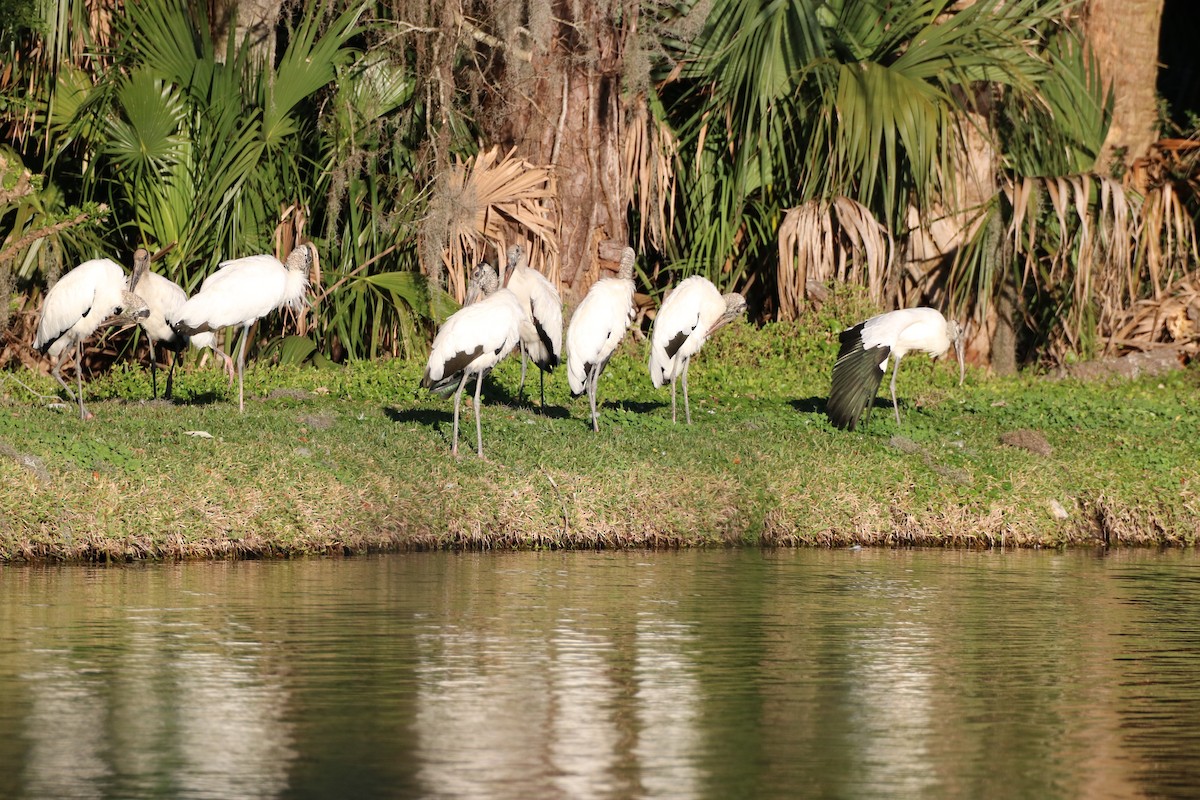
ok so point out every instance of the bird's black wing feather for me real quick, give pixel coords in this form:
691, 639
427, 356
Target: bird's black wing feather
548, 363
452, 372
856, 379
677, 342
183, 329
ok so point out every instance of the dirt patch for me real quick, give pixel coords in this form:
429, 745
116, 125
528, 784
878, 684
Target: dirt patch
1029, 440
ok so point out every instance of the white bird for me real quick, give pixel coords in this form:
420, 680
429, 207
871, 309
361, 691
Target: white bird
165, 297
863, 358
691, 313
241, 292
542, 328
472, 341
597, 328
93, 294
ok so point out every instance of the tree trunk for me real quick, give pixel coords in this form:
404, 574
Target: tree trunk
568, 115
1124, 35
1004, 340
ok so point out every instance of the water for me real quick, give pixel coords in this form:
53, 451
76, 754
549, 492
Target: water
806, 673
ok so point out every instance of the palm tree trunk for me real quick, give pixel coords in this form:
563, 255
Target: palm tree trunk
1124, 35
569, 116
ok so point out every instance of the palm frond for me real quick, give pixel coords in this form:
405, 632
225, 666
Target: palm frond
838, 241
482, 203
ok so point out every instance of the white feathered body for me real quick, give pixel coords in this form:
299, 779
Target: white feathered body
79, 303
165, 297
474, 339
906, 330
239, 292
682, 326
597, 328
542, 327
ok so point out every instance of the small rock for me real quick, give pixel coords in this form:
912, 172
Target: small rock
1029, 440
198, 434
1057, 511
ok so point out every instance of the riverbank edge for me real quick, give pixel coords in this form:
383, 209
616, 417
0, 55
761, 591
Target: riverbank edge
1096, 523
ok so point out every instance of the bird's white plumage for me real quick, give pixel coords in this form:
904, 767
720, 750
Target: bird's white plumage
241, 291
543, 308
491, 325
472, 341
691, 310
867, 348
163, 297
78, 304
597, 327
905, 330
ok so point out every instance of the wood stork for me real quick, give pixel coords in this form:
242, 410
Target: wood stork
93, 294
164, 297
240, 293
865, 349
596, 329
472, 341
691, 313
541, 330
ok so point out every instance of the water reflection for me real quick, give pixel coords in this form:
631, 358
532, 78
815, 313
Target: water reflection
712, 674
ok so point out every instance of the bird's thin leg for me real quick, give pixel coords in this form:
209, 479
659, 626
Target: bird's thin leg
56, 371
83, 412
592, 397
687, 407
521, 389
241, 367
171, 376
153, 370
227, 362
457, 400
542, 386
478, 428
895, 405
673, 400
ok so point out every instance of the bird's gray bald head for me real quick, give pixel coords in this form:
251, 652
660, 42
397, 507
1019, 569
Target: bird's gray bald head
141, 265
482, 283
515, 254
300, 259
625, 271
735, 306
132, 309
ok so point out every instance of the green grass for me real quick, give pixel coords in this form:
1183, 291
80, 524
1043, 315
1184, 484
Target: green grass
352, 459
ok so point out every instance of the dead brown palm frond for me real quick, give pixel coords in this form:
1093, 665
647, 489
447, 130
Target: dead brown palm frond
484, 203
1083, 248
648, 154
838, 240
1171, 318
